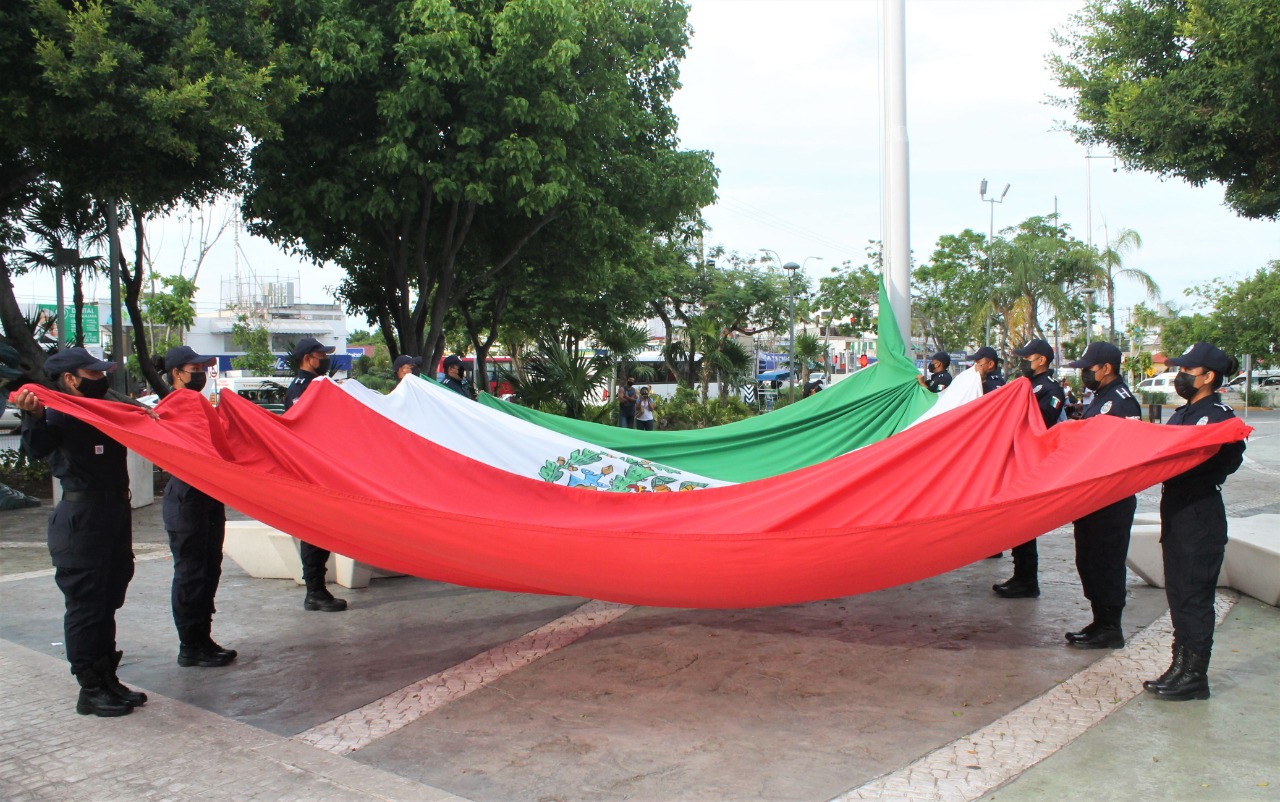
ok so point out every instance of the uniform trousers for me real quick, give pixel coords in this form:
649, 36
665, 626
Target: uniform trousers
314, 561
91, 546
1102, 544
1193, 539
197, 566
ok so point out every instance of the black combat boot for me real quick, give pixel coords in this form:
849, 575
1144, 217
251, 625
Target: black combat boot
1025, 582
1192, 682
194, 649
96, 698
127, 694
1104, 633
213, 647
1175, 668
319, 597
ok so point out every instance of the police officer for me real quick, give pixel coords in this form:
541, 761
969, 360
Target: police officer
453, 376
197, 526
90, 530
1102, 536
313, 362
406, 365
1193, 525
1037, 356
939, 374
987, 362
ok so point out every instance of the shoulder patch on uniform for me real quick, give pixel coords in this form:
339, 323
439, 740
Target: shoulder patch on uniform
1224, 407
1037, 388
1106, 407
1203, 420
1123, 393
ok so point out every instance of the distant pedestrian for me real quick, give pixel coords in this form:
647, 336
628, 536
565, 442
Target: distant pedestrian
1193, 525
90, 530
644, 410
196, 525
627, 398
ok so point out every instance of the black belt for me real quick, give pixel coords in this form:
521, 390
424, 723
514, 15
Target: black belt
93, 496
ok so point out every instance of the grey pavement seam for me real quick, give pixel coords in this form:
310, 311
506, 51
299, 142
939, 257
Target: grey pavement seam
974, 765
155, 555
359, 728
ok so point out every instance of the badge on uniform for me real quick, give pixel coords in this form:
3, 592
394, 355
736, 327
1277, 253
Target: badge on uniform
1105, 408
99, 450
1202, 421
1053, 402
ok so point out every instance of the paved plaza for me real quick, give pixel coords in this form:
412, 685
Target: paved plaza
425, 691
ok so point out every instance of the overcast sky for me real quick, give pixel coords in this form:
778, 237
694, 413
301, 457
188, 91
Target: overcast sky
786, 94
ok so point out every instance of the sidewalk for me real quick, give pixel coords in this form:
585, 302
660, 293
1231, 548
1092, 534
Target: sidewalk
425, 691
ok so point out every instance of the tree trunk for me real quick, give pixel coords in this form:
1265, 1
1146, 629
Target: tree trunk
132, 280
17, 333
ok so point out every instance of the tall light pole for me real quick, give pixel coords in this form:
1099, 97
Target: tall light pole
791, 268
1088, 192
991, 243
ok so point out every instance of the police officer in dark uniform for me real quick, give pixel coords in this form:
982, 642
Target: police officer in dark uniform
1102, 536
939, 377
197, 526
90, 530
453, 377
313, 362
1037, 357
1193, 525
406, 365
987, 362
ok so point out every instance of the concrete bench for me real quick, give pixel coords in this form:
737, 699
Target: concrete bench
1251, 564
267, 553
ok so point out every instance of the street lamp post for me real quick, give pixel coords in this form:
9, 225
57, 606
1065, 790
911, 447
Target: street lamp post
791, 268
1088, 193
991, 242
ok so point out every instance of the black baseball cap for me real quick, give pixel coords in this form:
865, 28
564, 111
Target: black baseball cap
69, 360
1036, 346
943, 357
405, 359
1203, 355
451, 360
185, 355
310, 345
1098, 353
985, 352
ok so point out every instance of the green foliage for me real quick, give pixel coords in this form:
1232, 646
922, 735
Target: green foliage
686, 410
1254, 398
1180, 87
17, 468
1243, 317
561, 375
255, 340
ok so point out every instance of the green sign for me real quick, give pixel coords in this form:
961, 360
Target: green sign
66, 333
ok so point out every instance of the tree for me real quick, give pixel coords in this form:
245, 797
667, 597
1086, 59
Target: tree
68, 230
1112, 259
448, 136
138, 105
1242, 319
949, 290
253, 337
1181, 88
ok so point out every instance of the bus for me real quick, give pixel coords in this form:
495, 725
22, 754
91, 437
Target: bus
495, 365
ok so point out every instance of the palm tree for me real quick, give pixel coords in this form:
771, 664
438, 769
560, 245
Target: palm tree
66, 227
563, 375
808, 349
624, 343
1112, 262
733, 365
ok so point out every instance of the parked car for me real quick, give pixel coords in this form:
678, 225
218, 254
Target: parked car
9, 419
1162, 384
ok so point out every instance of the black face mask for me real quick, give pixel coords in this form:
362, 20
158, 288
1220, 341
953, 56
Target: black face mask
1024, 367
1184, 384
195, 381
94, 388
1090, 379
323, 368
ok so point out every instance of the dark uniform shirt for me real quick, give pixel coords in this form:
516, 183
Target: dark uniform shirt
1114, 399
457, 386
82, 457
1211, 473
1049, 396
937, 382
992, 381
297, 387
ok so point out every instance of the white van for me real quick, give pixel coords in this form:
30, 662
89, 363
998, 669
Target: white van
1159, 384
